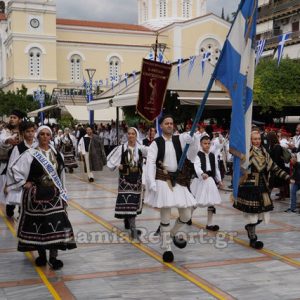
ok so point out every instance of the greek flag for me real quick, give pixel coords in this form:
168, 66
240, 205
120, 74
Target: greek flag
160, 57
180, 61
191, 64
260, 46
151, 55
205, 58
235, 73
282, 39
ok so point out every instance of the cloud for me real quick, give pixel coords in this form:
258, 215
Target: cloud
99, 10
122, 11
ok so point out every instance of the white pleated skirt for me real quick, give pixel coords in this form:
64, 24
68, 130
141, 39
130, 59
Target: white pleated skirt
179, 197
205, 192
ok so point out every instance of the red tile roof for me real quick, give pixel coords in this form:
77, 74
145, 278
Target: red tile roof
2, 17
105, 25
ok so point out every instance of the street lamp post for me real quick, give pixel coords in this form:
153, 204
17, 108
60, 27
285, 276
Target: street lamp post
89, 92
40, 97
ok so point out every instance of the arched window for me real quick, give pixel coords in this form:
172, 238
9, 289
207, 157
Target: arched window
76, 71
2, 7
213, 47
145, 11
186, 9
162, 8
114, 68
35, 55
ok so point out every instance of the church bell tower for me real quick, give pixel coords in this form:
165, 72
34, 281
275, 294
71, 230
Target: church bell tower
156, 14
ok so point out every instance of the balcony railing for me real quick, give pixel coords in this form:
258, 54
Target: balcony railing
278, 9
273, 42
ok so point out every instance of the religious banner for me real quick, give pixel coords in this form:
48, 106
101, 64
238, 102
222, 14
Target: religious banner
153, 87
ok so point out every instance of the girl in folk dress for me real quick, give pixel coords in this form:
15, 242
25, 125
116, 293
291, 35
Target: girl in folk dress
204, 186
128, 158
44, 223
253, 195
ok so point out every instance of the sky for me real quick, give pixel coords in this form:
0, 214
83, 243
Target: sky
121, 11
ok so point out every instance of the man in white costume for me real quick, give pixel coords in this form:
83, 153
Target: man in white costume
162, 191
9, 138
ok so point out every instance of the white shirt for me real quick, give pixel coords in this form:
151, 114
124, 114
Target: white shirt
170, 160
296, 140
199, 171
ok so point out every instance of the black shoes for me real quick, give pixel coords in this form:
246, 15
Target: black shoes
168, 257
55, 264
212, 227
41, 261
179, 242
10, 210
290, 210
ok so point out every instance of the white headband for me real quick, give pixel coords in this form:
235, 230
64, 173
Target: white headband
43, 127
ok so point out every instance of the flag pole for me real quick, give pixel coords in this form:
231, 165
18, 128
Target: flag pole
196, 121
201, 107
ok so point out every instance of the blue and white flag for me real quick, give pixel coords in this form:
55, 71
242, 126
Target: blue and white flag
235, 73
151, 55
180, 60
85, 84
260, 46
205, 58
282, 39
160, 57
158, 128
134, 75
126, 79
191, 64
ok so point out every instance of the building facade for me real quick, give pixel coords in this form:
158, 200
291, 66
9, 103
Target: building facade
275, 18
38, 48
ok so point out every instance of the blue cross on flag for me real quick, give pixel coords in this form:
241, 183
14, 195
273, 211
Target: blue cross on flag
205, 58
235, 73
259, 50
282, 39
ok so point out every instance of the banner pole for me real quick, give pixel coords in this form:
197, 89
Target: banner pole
196, 121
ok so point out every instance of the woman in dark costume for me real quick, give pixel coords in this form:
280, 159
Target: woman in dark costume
67, 147
44, 224
276, 153
128, 158
254, 195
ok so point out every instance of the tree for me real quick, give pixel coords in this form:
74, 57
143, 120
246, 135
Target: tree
18, 99
223, 14
276, 87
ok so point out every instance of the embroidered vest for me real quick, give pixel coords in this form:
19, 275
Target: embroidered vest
212, 163
161, 145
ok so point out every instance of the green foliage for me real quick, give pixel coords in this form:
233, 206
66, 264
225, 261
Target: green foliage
276, 87
17, 100
67, 121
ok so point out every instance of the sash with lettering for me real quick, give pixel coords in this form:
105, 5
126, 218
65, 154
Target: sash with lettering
153, 88
50, 170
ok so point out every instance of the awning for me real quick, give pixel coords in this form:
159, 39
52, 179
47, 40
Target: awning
125, 100
81, 114
100, 104
215, 99
35, 113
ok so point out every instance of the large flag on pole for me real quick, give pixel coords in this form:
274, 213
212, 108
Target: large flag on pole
282, 39
235, 73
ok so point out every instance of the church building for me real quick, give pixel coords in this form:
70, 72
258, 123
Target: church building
37, 48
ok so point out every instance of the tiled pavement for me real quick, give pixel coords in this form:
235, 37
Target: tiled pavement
107, 266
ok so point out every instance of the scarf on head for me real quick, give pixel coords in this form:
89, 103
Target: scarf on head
260, 158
